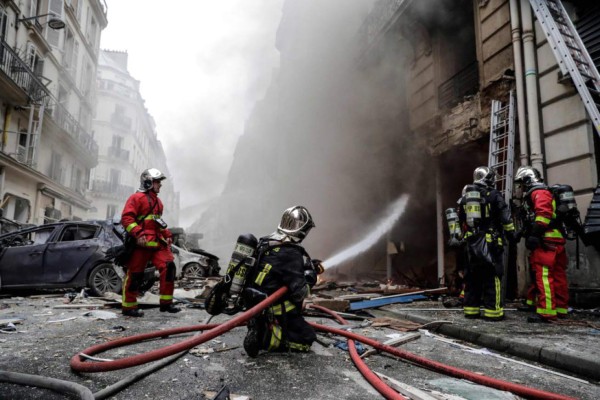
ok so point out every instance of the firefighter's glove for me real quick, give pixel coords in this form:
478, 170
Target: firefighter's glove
298, 292
310, 275
317, 266
533, 242
141, 240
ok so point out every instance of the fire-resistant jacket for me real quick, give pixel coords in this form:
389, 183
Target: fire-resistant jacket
139, 218
283, 266
542, 205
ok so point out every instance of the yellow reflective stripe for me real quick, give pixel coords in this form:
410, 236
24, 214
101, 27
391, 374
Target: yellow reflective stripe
488, 238
276, 335
545, 220
131, 226
493, 313
147, 217
151, 244
545, 311
529, 302
166, 297
554, 233
277, 308
299, 346
509, 227
547, 292
468, 233
471, 310
498, 290
261, 276
123, 302
562, 311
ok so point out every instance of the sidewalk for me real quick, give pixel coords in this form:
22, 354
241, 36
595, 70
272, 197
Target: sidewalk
571, 345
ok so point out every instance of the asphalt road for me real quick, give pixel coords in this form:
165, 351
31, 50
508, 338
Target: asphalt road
43, 347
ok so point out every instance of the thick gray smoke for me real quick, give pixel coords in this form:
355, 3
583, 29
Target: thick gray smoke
331, 134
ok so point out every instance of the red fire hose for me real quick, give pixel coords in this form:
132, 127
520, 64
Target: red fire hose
447, 369
78, 364
373, 379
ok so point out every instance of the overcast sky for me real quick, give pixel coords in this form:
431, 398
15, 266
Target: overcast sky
202, 65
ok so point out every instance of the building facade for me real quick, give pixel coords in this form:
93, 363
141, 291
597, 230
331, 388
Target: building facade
127, 141
48, 55
459, 56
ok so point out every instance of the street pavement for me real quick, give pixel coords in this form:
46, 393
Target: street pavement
47, 337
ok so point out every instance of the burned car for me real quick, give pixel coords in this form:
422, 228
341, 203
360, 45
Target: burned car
70, 254
194, 263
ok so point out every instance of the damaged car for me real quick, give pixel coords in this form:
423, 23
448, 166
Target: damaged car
196, 263
69, 254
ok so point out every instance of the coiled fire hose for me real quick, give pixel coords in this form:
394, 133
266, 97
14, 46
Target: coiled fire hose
79, 364
373, 379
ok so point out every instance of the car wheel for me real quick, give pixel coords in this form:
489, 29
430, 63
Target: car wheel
194, 270
104, 278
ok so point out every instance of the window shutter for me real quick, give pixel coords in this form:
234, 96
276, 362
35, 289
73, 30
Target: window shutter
53, 35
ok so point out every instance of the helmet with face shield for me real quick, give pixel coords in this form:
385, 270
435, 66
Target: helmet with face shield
526, 178
295, 223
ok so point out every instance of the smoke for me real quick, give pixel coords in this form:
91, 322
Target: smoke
392, 214
331, 134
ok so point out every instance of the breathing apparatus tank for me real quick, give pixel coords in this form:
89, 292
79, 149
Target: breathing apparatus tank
242, 260
472, 201
566, 210
453, 223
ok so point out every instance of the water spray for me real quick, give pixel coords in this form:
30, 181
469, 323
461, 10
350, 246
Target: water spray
393, 213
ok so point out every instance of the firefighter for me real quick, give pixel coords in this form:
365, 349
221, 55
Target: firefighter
141, 218
283, 262
487, 222
546, 243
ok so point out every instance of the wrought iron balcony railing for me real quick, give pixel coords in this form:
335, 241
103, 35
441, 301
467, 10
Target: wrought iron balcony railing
68, 123
21, 74
463, 83
111, 189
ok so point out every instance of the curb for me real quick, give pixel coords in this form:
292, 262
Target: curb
581, 364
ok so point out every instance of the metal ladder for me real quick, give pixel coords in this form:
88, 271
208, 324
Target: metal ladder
501, 156
571, 54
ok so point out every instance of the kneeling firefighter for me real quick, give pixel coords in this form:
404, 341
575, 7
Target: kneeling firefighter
282, 261
486, 216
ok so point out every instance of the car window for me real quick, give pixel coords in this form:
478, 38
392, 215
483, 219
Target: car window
40, 236
78, 233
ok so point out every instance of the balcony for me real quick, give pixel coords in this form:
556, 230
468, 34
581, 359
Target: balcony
22, 76
463, 83
118, 153
110, 189
71, 126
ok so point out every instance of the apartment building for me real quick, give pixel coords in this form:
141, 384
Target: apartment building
456, 59
48, 55
127, 141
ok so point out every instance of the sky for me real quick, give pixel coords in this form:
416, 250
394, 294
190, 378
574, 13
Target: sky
202, 65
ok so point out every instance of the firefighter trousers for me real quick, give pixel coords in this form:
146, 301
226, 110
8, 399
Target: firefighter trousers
162, 259
483, 287
549, 268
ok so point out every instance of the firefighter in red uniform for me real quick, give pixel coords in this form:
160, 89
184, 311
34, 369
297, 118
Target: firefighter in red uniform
546, 243
141, 218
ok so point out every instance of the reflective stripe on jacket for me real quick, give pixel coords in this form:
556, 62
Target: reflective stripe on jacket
138, 218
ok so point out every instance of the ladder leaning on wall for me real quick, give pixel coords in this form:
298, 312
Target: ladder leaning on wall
571, 54
501, 156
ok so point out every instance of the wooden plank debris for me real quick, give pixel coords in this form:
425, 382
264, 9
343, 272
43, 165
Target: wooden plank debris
332, 304
395, 342
384, 301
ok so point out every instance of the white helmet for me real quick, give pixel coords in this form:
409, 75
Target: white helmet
296, 222
148, 176
484, 176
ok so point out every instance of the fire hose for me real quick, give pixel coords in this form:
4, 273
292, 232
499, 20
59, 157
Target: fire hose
373, 379
79, 365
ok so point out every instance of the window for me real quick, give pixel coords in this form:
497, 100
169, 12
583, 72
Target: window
115, 177
56, 170
53, 35
117, 142
3, 22
77, 232
34, 60
41, 236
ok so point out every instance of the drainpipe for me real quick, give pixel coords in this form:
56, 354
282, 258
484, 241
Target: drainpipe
515, 23
533, 110
440, 226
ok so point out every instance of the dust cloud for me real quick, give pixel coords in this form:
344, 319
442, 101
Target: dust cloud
331, 134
